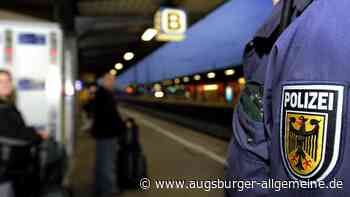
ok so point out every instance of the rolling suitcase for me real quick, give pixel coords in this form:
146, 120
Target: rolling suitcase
132, 165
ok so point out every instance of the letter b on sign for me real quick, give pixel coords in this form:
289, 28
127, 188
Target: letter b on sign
174, 22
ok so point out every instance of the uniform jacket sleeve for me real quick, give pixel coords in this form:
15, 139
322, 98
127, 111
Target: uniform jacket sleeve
248, 157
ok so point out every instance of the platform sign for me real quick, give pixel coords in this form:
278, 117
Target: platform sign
171, 24
31, 38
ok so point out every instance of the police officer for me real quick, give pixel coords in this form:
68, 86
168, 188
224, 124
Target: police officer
306, 116
291, 121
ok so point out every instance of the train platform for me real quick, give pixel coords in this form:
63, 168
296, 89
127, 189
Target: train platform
173, 153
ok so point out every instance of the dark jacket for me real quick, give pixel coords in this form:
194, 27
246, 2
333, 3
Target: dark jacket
13, 126
107, 121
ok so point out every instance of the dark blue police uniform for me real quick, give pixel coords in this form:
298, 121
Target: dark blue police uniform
305, 99
294, 127
248, 150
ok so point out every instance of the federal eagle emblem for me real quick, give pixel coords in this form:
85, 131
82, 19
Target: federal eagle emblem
304, 142
311, 129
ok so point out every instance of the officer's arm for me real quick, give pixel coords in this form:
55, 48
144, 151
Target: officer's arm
248, 150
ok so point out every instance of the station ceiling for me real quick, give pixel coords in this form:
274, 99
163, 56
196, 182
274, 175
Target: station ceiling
107, 29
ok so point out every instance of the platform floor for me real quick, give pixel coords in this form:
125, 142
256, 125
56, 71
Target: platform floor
172, 151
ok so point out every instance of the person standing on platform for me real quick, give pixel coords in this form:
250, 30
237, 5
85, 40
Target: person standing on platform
106, 128
13, 125
14, 130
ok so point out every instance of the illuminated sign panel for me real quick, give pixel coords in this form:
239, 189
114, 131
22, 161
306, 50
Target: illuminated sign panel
171, 24
34, 39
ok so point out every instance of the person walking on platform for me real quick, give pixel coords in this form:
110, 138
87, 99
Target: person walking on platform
106, 128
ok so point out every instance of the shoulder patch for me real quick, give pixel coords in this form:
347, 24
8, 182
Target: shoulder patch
310, 129
251, 101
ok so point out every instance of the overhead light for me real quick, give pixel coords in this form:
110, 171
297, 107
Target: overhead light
229, 72
177, 81
211, 75
186, 79
197, 77
159, 94
149, 34
118, 66
128, 56
241, 81
113, 72
211, 87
